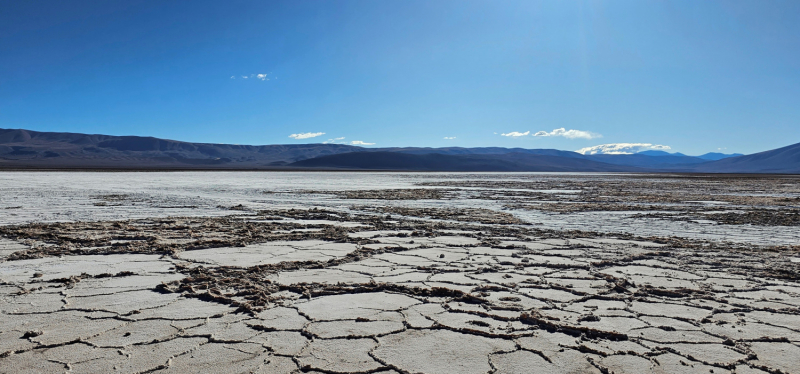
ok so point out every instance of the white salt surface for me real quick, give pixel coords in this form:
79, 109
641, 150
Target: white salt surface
77, 196
470, 299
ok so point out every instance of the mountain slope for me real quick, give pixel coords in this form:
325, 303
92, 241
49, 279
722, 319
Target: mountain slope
659, 153
440, 162
24, 148
714, 156
784, 160
21, 149
645, 161
480, 151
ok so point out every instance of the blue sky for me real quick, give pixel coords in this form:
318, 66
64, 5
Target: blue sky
696, 76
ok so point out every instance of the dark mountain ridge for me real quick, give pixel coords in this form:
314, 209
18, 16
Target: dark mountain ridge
479, 151
714, 156
25, 148
21, 149
515, 161
785, 160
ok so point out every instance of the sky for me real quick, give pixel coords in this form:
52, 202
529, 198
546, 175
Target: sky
681, 76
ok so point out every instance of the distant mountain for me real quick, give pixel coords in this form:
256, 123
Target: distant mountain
714, 156
522, 159
480, 151
516, 161
644, 161
659, 153
711, 156
33, 149
784, 160
647, 159
25, 149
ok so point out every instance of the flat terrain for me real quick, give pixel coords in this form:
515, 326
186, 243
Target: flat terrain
236, 272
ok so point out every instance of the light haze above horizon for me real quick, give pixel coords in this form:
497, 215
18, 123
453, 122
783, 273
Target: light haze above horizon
681, 76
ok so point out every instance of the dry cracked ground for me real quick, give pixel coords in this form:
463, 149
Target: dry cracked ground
390, 289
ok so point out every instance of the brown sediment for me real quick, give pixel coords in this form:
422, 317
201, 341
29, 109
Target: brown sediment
619, 193
384, 194
486, 216
759, 217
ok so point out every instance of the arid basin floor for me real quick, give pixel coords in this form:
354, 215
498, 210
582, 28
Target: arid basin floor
448, 273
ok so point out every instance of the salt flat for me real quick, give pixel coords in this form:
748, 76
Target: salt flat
398, 273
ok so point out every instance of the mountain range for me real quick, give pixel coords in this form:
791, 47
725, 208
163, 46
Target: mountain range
25, 149
710, 156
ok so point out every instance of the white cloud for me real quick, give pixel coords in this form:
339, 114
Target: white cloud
569, 134
449, 137
263, 77
622, 148
358, 142
516, 134
333, 141
306, 135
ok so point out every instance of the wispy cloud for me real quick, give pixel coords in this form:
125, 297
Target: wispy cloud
449, 137
622, 148
334, 140
263, 77
515, 134
569, 134
340, 140
306, 135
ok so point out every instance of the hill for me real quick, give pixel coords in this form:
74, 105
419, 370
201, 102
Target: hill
784, 160
516, 161
714, 156
33, 149
25, 149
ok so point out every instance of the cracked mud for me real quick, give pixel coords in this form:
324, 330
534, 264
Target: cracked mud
454, 285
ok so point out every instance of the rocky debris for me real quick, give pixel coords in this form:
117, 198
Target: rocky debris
485, 216
760, 217
578, 207
642, 188
165, 236
776, 199
382, 194
397, 194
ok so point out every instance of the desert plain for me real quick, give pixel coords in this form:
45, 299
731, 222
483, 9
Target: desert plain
317, 272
